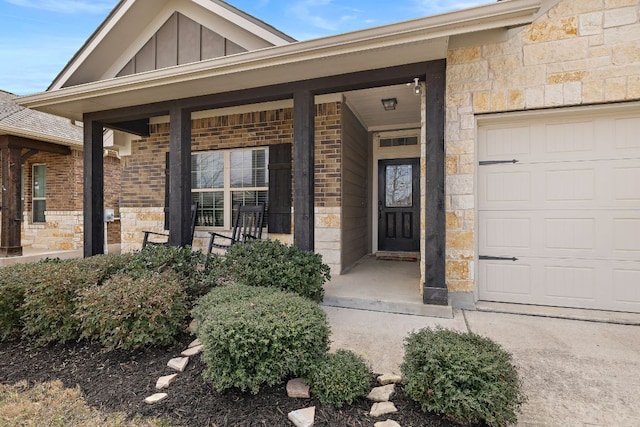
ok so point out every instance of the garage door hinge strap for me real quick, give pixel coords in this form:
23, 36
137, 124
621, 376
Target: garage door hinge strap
497, 162
497, 258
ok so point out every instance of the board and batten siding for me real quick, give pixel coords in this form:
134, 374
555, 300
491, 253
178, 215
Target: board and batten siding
355, 155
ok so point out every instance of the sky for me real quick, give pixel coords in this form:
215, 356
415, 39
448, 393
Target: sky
39, 37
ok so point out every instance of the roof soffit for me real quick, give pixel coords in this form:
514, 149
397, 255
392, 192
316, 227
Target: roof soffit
133, 22
407, 42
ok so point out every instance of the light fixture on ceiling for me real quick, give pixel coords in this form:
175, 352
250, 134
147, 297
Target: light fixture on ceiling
417, 88
389, 104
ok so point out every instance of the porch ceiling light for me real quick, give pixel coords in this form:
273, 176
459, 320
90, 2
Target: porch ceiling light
389, 104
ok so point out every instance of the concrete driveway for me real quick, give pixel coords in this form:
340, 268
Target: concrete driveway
575, 373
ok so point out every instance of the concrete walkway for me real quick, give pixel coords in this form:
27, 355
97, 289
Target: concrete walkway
575, 373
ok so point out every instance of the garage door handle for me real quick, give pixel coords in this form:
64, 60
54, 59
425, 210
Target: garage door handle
497, 162
497, 258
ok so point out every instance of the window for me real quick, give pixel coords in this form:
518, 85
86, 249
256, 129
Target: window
398, 142
39, 195
222, 180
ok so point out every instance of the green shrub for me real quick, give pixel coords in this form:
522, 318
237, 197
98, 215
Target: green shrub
189, 266
463, 375
11, 299
339, 378
254, 336
51, 289
105, 266
133, 312
271, 263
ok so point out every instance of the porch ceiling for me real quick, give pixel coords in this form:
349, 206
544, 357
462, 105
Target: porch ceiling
408, 42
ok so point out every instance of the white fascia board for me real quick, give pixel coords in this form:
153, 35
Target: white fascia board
242, 22
143, 37
95, 40
223, 25
497, 15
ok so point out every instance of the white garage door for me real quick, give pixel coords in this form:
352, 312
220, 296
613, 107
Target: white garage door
561, 225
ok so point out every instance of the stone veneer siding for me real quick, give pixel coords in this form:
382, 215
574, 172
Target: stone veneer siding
143, 174
578, 52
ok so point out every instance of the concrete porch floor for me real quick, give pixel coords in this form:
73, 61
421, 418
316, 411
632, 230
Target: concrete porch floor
36, 254
382, 285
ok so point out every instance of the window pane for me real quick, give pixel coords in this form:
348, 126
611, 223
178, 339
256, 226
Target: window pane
251, 198
399, 188
207, 170
210, 208
39, 206
39, 181
397, 142
249, 168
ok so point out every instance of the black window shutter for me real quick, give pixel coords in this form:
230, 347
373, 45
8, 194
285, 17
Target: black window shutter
280, 188
166, 192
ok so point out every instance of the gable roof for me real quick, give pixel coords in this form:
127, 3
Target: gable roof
415, 41
20, 121
132, 23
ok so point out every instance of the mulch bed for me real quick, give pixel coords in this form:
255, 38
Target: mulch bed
119, 381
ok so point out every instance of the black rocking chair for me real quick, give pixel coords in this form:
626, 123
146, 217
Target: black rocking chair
247, 226
146, 242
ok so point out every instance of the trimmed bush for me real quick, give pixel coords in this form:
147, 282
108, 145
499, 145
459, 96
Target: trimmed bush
51, 288
463, 375
271, 263
339, 378
189, 266
11, 299
254, 336
133, 312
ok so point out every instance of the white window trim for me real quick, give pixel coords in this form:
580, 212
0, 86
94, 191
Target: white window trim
227, 189
33, 197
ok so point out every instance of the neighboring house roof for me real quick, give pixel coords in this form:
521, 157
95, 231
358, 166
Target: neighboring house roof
414, 41
20, 121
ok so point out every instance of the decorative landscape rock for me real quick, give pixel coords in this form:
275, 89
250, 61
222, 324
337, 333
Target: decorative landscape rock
193, 326
155, 398
192, 351
388, 423
389, 379
382, 408
165, 382
195, 343
303, 417
178, 363
382, 394
298, 388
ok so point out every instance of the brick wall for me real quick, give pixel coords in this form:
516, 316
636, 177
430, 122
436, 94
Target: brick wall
578, 52
143, 174
63, 229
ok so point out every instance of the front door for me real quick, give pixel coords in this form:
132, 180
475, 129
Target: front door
399, 205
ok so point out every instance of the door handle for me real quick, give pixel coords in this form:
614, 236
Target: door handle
497, 258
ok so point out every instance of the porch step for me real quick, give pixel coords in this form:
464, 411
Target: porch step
398, 256
415, 309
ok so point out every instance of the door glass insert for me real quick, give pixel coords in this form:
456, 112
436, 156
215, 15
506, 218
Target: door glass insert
399, 186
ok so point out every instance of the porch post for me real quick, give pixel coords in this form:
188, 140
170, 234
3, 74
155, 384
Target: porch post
435, 286
93, 188
10, 244
303, 169
179, 176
